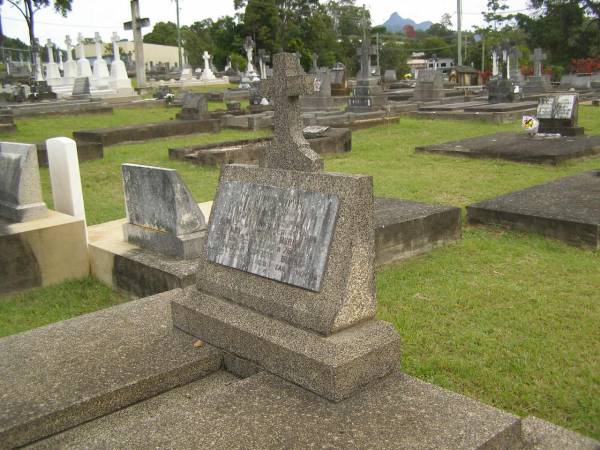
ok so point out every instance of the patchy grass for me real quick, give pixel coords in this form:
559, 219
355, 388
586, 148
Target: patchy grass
508, 318
38, 307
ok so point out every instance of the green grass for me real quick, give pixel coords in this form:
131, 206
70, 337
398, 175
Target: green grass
508, 318
38, 307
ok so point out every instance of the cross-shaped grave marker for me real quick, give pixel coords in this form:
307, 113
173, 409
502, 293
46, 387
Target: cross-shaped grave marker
538, 58
289, 150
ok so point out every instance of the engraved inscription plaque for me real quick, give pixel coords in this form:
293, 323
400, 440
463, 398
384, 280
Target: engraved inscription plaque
545, 107
279, 233
564, 106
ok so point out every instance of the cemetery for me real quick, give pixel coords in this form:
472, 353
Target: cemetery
247, 244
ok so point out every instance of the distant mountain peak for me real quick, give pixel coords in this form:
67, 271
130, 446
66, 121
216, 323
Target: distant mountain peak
397, 23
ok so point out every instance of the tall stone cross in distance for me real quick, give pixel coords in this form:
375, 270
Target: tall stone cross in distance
69, 45
289, 150
115, 43
538, 58
206, 58
365, 51
50, 45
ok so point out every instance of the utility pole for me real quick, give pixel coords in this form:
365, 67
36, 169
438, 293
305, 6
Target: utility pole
179, 37
136, 26
459, 30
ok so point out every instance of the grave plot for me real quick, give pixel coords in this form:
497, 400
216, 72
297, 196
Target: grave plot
321, 139
559, 138
39, 247
567, 209
519, 147
477, 110
144, 132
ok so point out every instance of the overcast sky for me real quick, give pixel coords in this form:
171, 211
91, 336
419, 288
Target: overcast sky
106, 16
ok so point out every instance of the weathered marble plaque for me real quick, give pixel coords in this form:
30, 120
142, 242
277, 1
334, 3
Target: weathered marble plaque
545, 107
565, 105
557, 107
281, 234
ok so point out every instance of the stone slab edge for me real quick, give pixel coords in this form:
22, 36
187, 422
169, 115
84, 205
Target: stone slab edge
333, 367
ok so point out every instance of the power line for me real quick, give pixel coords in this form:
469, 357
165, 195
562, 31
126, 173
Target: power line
16, 19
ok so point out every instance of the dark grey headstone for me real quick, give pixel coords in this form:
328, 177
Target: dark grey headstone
162, 214
194, 106
20, 186
430, 85
281, 234
558, 114
81, 87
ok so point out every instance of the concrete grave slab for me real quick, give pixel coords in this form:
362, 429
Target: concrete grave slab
143, 132
567, 209
42, 252
333, 140
404, 228
59, 376
266, 412
20, 185
519, 147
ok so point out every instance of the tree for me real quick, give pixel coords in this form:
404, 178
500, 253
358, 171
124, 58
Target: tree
163, 33
589, 7
28, 8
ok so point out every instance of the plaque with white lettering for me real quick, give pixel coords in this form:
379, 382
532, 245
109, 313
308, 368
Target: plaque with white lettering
545, 107
564, 106
283, 234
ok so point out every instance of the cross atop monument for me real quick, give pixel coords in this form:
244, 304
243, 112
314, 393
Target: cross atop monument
50, 45
69, 45
315, 63
538, 58
289, 150
115, 42
206, 58
365, 52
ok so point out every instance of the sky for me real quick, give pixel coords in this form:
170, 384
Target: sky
106, 16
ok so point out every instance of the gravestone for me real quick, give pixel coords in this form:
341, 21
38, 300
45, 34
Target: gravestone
339, 83
81, 88
162, 214
366, 95
195, 106
538, 83
286, 280
20, 186
501, 90
558, 114
430, 86
321, 98
390, 76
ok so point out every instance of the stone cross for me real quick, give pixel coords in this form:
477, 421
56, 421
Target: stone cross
115, 43
60, 59
365, 52
289, 150
315, 63
538, 58
206, 58
81, 46
98, 41
49, 44
69, 45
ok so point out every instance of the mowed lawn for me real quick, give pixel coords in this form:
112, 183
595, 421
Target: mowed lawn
509, 318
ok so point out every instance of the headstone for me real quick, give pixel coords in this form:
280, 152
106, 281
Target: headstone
83, 64
289, 150
118, 73
52, 70
20, 186
430, 86
207, 73
538, 83
286, 280
515, 73
81, 87
339, 83
558, 114
63, 165
389, 76
101, 75
195, 106
495, 71
366, 95
186, 74
70, 71
250, 75
162, 214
